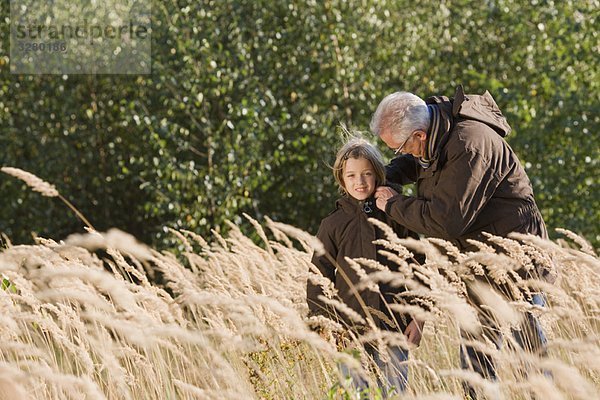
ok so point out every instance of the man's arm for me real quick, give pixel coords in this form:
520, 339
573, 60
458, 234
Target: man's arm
465, 184
402, 170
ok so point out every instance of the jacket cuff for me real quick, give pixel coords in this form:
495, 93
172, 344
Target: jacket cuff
390, 202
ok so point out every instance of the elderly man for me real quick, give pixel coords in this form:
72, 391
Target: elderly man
469, 181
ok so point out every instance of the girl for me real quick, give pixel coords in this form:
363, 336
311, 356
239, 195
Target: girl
346, 232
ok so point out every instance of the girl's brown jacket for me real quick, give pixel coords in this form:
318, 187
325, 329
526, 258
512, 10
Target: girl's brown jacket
346, 232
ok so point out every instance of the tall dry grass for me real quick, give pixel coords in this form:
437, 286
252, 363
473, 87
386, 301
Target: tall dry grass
84, 318
101, 316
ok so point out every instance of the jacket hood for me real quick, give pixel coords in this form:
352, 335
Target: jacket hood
482, 108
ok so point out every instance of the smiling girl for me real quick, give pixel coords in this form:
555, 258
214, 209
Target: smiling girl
347, 233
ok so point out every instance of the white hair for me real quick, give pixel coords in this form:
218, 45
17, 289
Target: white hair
402, 113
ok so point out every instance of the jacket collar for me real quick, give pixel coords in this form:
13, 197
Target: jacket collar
351, 205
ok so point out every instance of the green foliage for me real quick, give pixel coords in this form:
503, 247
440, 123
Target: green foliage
240, 113
346, 392
7, 285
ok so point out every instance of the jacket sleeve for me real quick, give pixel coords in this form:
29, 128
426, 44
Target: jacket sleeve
465, 184
327, 269
402, 170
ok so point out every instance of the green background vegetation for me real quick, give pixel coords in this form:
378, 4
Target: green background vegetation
241, 111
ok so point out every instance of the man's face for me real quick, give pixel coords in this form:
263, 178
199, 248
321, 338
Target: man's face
414, 144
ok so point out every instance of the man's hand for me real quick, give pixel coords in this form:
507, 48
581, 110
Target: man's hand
382, 195
413, 332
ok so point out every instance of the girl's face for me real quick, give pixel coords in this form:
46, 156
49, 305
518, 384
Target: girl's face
359, 178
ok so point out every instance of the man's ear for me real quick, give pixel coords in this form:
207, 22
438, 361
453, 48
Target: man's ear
422, 135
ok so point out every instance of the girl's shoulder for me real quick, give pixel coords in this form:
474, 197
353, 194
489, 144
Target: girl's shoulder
343, 213
340, 212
